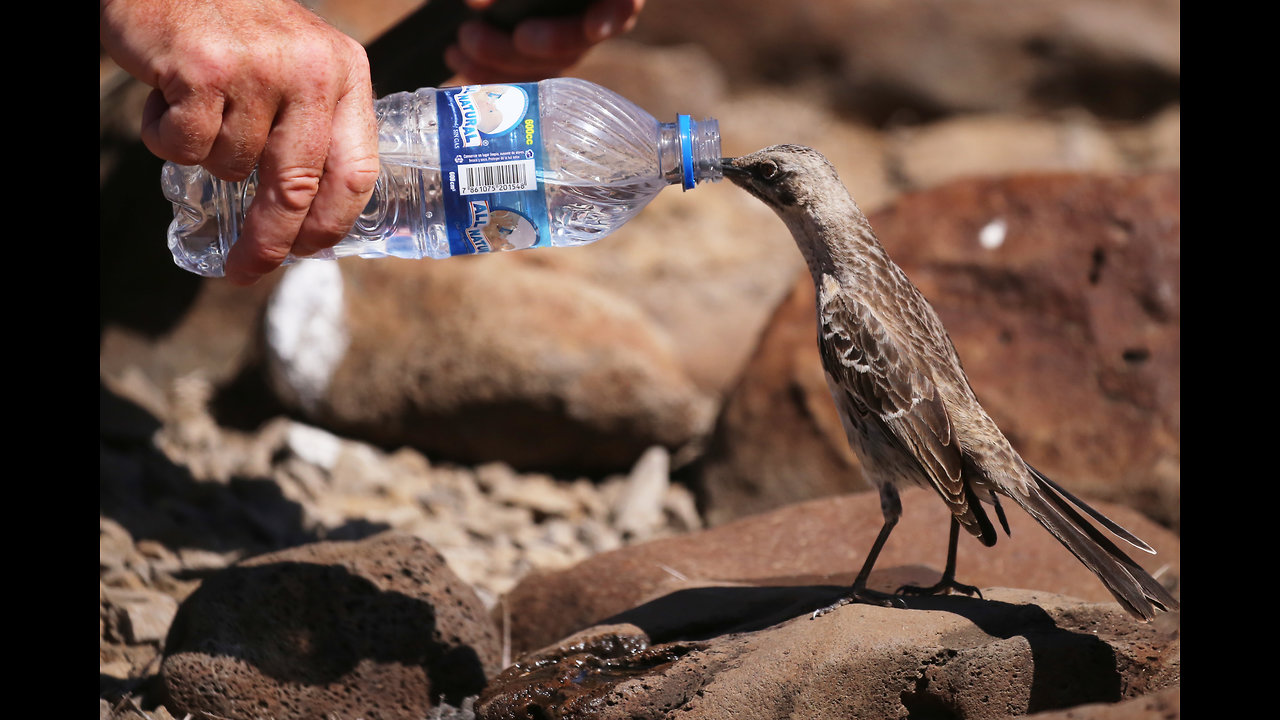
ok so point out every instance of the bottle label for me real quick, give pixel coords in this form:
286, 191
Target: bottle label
490, 154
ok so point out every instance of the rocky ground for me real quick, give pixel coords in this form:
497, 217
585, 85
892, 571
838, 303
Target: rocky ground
635, 433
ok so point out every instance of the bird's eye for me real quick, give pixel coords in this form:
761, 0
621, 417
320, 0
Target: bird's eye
768, 170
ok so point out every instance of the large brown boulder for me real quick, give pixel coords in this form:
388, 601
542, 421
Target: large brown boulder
720, 624
1015, 653
476, 359
809, 552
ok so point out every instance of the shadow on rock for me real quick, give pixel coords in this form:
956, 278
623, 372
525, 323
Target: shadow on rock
1069, 664
312, 624
154, 498
375, 628
733, 651
707, 612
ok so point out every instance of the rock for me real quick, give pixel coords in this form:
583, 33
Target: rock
490, 360
638, 508
1163, 147
1163, 705
217, 337
128, 709
306, 332
920, 59
927, 156
860, 153
699, 274
141, 616
745, 652
1061, 294
820, 541
116, 550
664, 81
778, 439
1070, 328
379, 628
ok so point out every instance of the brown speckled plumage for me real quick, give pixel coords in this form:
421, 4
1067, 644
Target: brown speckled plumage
905, 402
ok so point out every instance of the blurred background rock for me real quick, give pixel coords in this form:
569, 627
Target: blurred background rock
1020, 161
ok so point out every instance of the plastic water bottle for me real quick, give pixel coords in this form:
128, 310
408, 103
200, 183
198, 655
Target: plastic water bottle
477, 169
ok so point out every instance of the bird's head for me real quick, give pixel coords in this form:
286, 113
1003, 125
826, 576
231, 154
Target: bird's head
787, 178
804, 190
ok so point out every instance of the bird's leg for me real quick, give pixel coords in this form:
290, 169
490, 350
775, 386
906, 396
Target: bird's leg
947, 585
891, 507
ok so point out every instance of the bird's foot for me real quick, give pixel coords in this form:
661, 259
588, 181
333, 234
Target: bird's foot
945, 586
862, 595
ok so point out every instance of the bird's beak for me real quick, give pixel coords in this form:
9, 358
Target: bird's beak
735, 174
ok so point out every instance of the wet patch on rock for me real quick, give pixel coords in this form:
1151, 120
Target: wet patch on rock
1016, 652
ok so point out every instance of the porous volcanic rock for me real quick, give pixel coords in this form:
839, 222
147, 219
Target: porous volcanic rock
743, 652
378, 628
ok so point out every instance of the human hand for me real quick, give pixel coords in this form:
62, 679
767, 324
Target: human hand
538, 47
266, 83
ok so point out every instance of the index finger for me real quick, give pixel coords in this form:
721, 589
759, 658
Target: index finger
351, 170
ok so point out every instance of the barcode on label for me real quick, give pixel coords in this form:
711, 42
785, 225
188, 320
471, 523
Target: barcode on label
496, 177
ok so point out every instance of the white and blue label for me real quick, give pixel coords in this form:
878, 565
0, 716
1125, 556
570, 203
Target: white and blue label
491, 154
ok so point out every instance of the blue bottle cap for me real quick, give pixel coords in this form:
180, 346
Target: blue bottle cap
686, 148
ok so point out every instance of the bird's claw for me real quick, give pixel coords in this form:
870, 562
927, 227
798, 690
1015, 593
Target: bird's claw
946, 586
864, 596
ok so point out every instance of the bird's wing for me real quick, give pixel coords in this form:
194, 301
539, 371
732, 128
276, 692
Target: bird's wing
865, 359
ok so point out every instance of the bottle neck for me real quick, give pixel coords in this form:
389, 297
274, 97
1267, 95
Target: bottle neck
689, 151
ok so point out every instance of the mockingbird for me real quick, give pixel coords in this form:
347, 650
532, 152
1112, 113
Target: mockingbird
905, 403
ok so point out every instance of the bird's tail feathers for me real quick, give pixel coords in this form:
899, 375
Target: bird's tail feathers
1106, 522
1134, 588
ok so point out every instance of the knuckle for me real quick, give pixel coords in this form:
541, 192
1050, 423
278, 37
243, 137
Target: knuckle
355, 53
210, 65
298, 188
362, 176
267, 256
182, 144
326, 233
253, 258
